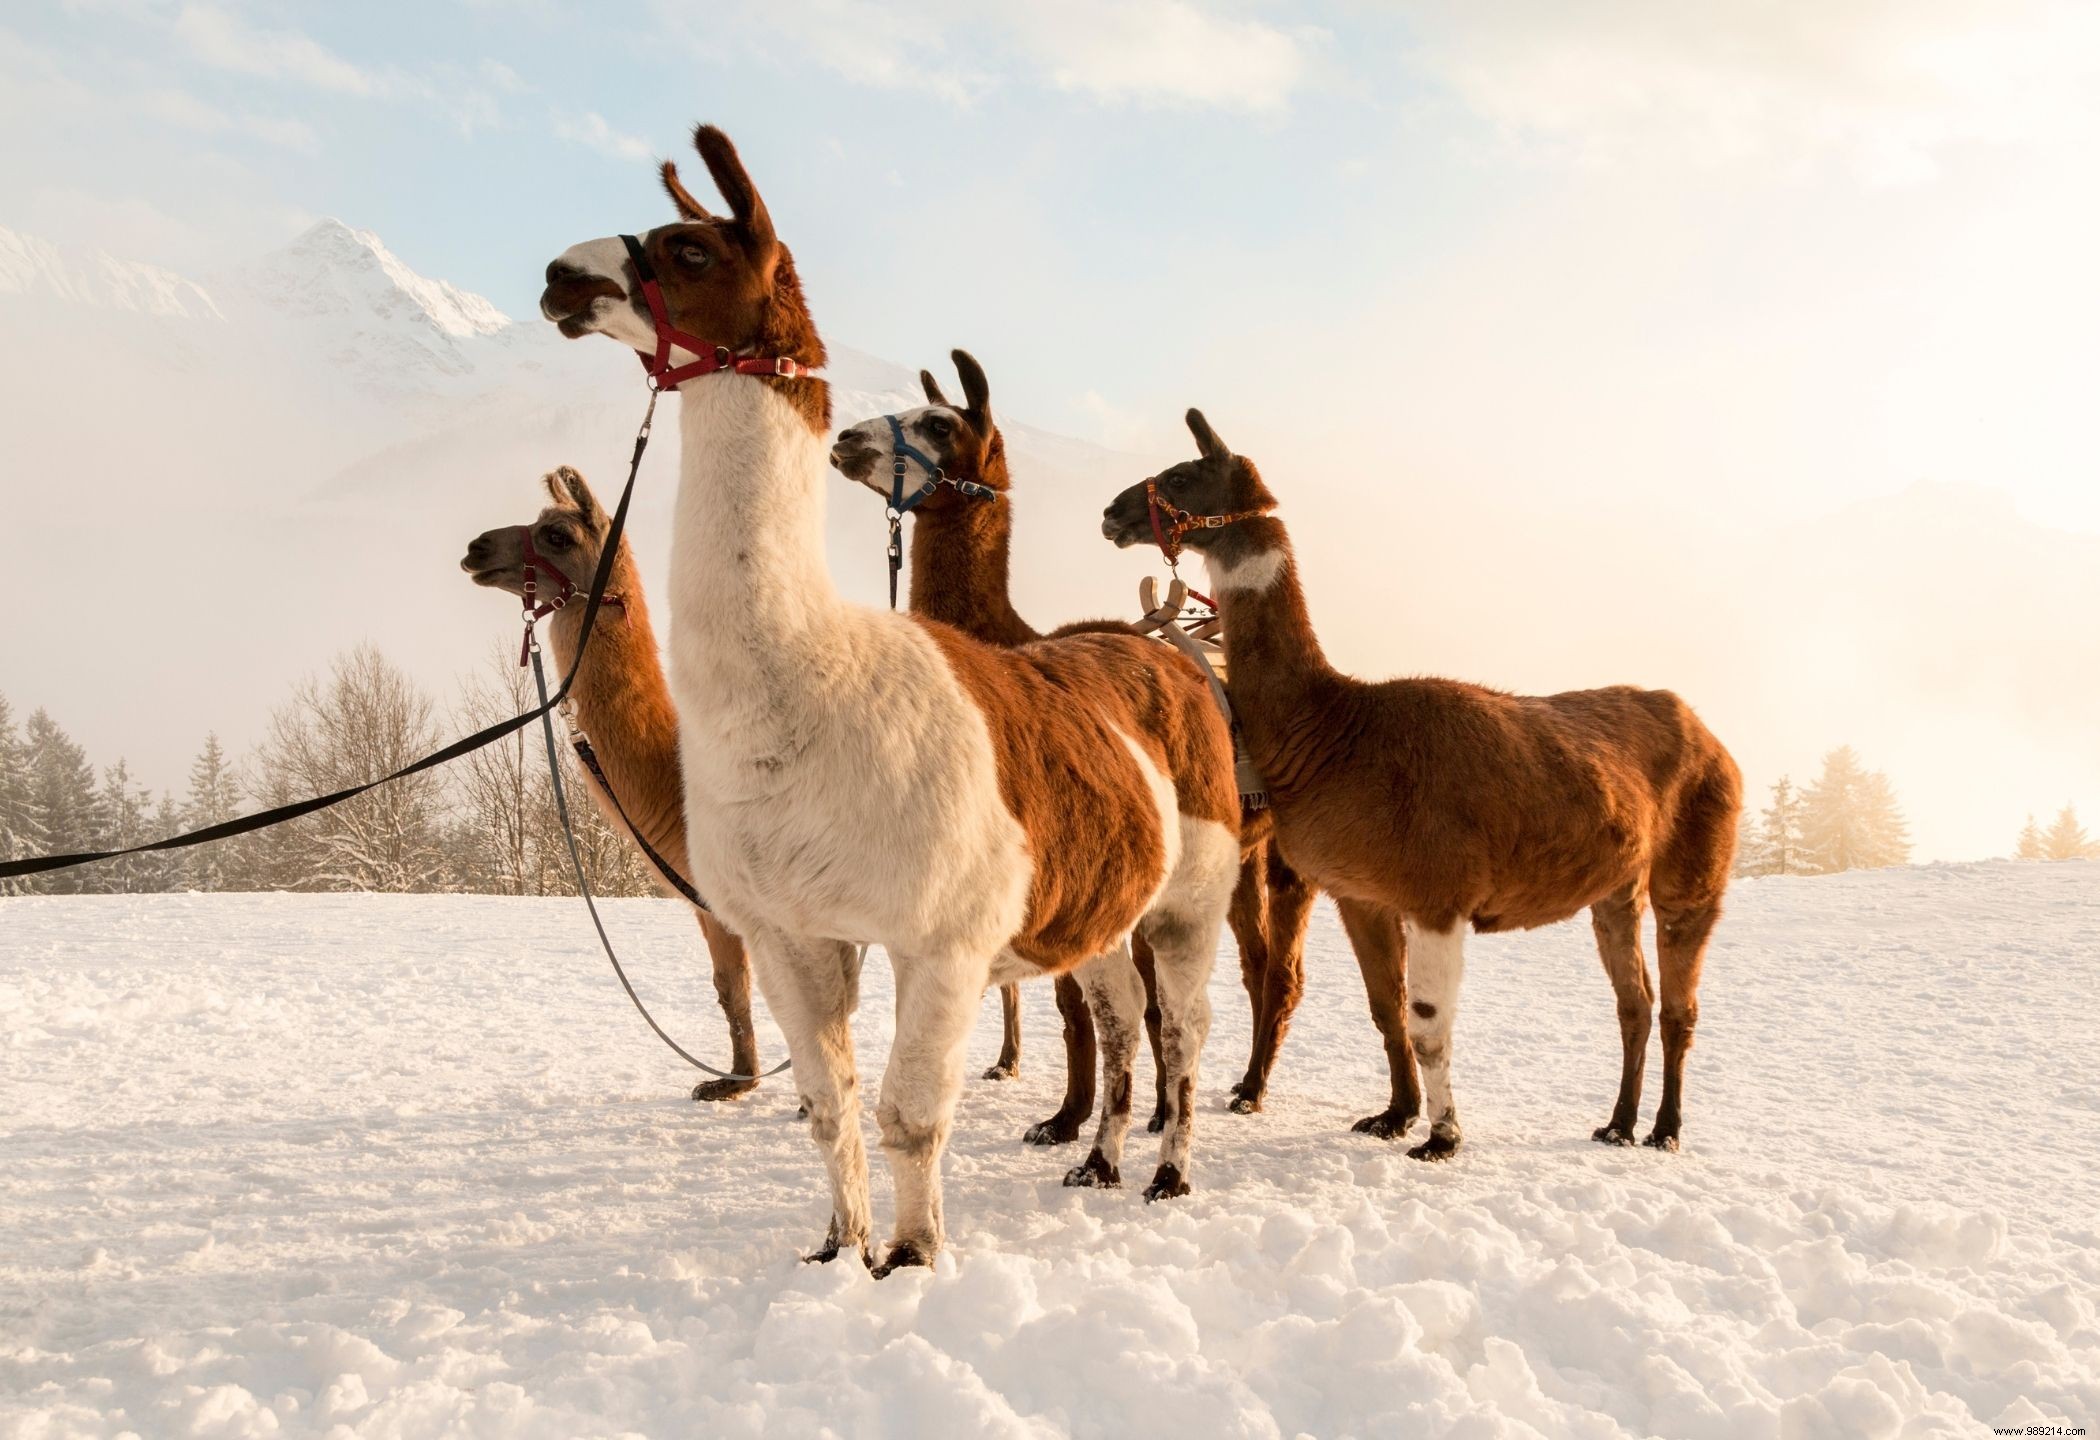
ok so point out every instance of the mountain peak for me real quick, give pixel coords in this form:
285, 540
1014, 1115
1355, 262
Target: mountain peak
334, 269
38, 268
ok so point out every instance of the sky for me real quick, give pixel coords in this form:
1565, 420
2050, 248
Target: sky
1445, 268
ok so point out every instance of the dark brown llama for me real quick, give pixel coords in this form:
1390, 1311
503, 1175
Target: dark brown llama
1453, 804
960, 574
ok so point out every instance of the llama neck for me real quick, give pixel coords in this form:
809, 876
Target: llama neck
1273, 655
751, 588
961, 566
623, 703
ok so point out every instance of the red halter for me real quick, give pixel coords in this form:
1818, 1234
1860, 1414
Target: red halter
537, 609
663, 375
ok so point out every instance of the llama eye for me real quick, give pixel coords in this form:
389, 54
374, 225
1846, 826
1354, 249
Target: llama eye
695, 256
557, 539
938, 429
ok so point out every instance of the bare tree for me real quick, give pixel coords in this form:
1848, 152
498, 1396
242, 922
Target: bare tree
365, 720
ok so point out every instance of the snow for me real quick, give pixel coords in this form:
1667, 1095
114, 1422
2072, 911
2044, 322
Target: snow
37, 268
304, 1165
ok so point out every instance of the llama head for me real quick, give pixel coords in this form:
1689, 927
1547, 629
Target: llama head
725, 279
963, 441
1217, 483
569, 534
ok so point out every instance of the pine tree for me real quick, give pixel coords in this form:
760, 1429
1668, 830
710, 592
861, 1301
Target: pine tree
2029, 846
1778, 847
214, 797
63, 792
21, 822
2067, 839
123, 812
1850, 817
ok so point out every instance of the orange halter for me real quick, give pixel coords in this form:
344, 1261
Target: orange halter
1182, 521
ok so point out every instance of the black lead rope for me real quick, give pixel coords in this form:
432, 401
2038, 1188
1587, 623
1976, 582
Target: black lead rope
676, 881
262, 819
583, 888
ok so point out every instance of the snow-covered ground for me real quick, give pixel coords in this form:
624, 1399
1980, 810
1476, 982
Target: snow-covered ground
410, 1166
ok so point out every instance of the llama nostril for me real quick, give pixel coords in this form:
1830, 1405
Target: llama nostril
560, 270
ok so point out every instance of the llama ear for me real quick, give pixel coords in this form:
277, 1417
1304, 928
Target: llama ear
682, 198
932, 387
581, 495
734, 182
1207, 442
975, 390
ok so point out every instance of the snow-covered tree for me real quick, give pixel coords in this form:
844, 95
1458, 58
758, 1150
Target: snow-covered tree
2067, 840
1850, 818
21, 822
214, 798
365, 720
1776, 846
63, 793
124, 810
2029, 845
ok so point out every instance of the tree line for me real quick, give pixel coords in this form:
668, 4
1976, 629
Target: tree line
1848, 819
2065, 839
485, 824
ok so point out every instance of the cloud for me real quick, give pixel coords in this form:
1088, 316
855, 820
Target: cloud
592, 130
186, 111
1148, 52
1881, 87
223, 40
1164, 52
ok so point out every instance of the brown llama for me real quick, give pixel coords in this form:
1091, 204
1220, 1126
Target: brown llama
1453, 804
855, 777
960, 574
623, 704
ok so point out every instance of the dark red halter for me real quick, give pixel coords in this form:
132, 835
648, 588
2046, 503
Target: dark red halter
537, 609
663, 375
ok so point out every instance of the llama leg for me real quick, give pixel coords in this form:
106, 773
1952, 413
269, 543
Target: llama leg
1380, 943
1436, 963
1079, 1069
1185, 948
813, 987
1290, 910
1249, 919
937, 1004
1617, 923
1009, 1064
1680, 940
733, 990
1141, 955
1116, 998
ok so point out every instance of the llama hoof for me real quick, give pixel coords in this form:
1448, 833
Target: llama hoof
1168, 1184
1158, 1122
1660, 1141
904, 1253
1003, 1071
723, 1089
1439, 1146
1057, 1130
1094, 1173
802, 1112
1244, 1103
827, 1252
1611, 1135
1386, 1124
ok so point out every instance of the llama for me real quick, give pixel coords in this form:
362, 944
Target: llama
855, 775
623, 704
1453, 804
960, 551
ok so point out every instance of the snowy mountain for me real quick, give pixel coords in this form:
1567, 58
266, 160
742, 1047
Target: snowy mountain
36, 270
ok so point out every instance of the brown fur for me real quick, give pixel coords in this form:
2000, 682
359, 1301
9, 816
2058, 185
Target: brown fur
1450, 802
622, 702
960, 574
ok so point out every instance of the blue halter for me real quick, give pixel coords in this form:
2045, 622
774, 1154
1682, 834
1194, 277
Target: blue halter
902, 454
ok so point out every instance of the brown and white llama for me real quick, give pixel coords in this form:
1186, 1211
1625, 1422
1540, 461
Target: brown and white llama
854, 775
623, 704
960, 574
1457, 805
